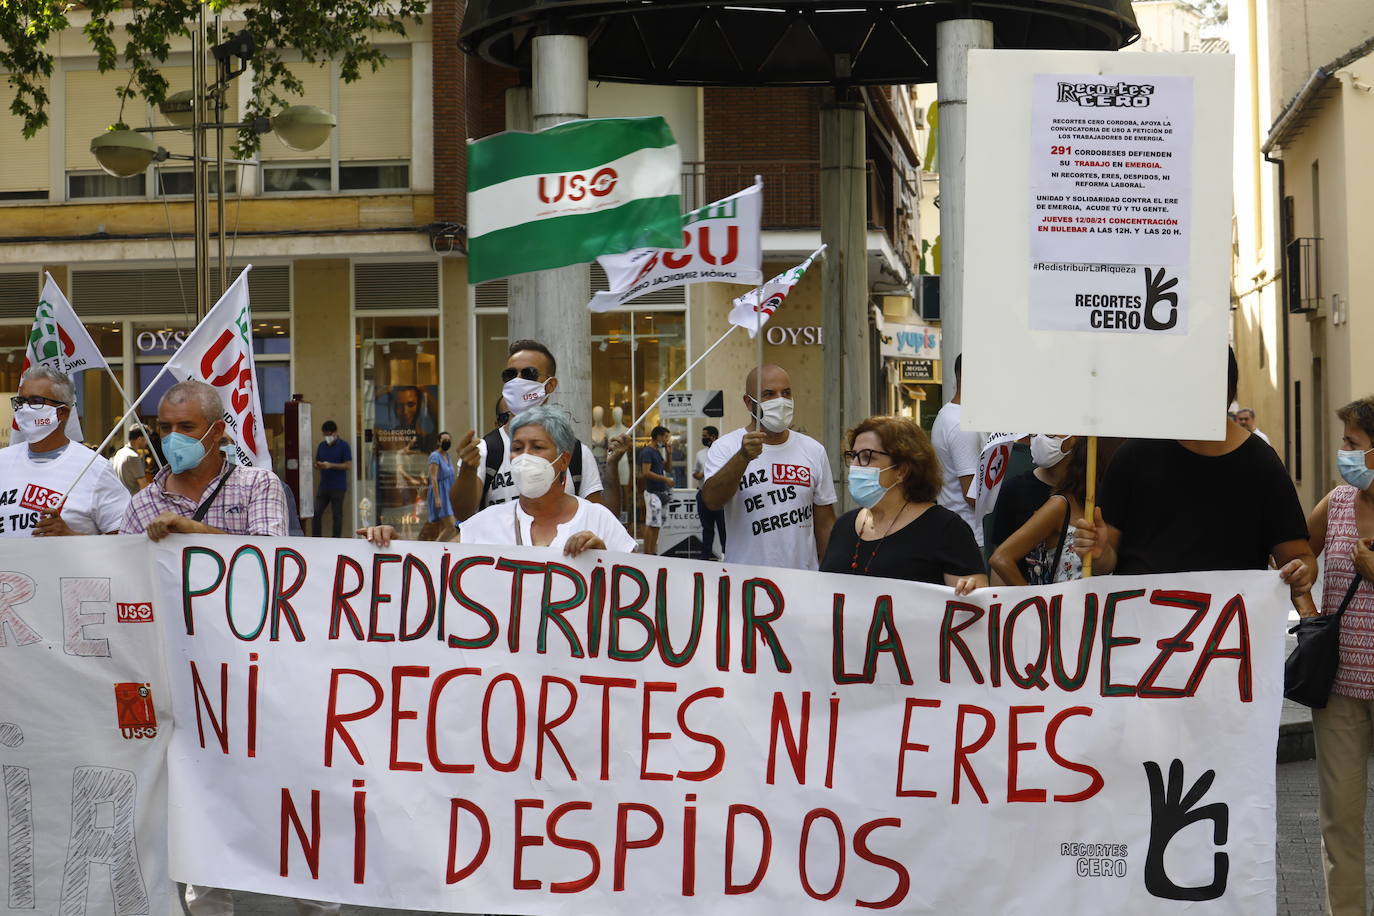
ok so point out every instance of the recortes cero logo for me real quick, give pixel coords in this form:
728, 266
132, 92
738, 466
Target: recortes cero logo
578, 186
1107, 95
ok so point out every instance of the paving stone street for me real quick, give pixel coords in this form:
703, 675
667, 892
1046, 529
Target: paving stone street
1299, 854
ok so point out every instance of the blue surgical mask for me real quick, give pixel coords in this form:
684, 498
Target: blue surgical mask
864, 486
183, 452
1353, 471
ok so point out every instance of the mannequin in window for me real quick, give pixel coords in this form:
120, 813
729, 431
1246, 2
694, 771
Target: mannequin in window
597, 440
618, 428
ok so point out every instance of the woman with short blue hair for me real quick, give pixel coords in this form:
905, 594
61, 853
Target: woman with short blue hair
542, 442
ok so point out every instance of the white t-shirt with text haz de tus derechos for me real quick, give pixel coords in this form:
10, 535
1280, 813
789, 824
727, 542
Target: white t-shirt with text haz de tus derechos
28, 488
770, 519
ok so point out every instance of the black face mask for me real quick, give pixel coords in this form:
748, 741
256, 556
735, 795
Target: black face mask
707, 441
446, 445
502, 418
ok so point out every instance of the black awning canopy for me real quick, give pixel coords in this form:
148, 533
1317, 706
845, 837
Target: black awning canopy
792, 43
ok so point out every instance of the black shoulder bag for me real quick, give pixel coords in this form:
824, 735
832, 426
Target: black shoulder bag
204, 508
1310, 669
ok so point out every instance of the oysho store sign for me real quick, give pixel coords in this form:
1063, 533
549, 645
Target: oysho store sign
807, 335
164, 340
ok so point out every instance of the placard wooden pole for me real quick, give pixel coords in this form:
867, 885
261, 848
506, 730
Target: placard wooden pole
1090, 502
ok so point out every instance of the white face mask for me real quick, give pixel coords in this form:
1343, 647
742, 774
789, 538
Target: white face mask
36, 423
533, 475
775, 414
1047, 451
329, 440
521, 394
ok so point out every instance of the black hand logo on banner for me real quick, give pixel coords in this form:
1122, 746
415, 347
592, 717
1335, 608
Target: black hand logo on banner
1172, 811
1157, 291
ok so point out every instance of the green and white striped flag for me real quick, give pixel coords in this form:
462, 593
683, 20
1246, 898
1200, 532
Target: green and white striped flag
571, 193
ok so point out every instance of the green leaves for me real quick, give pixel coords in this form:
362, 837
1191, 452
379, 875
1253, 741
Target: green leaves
342, 30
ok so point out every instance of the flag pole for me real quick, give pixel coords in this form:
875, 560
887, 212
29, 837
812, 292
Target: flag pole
137, 422
117, 427
1090, 502
677, 381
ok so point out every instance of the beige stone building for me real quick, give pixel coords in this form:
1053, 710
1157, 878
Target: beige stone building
1302, 275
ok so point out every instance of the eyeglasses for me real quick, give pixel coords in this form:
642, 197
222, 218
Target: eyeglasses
34, 400
529, 373
863, 457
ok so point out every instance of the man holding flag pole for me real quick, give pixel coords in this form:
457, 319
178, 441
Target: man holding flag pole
45, 489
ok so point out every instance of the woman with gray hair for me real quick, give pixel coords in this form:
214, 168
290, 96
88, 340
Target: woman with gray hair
546, 515
45, 487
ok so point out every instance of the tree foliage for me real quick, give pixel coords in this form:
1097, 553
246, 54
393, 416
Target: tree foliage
136, 36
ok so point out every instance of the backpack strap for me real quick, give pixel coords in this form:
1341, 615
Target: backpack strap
496, 453
575, 468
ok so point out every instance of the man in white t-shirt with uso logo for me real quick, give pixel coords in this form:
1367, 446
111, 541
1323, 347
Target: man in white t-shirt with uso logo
773, 483
37, 496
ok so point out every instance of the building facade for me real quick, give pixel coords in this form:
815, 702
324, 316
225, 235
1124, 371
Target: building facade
359, 284
1301, 281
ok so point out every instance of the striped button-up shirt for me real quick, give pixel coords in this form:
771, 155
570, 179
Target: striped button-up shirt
252, 502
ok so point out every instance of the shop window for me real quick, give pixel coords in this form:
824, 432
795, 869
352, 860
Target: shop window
635, 355
398, 412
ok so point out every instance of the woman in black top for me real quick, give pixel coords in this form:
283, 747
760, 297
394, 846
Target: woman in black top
900, 533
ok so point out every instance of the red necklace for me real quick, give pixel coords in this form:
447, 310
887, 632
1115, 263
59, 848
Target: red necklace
878, 545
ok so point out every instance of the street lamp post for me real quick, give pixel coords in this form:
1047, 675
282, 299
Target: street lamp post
125, 153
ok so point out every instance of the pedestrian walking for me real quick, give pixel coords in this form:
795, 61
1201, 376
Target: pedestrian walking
333, 458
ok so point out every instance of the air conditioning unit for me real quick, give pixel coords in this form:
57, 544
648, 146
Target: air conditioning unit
918, 117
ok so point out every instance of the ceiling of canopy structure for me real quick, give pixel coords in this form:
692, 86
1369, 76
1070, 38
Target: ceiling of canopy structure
792, 43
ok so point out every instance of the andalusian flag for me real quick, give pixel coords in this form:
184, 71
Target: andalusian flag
571, 193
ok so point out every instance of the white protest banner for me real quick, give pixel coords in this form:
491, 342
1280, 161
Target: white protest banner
85, 717
993, 464
459, 728
220, 352
721, 242
1098, 208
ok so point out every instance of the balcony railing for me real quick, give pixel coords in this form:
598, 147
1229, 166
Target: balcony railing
1302, 275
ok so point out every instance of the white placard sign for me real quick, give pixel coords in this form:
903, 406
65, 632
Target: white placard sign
85, 721
1098, 201
509, 730
679, 405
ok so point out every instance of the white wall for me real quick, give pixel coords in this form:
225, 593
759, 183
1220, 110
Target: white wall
678, 104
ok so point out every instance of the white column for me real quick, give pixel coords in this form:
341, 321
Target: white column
844, 223
551, 305
953, 40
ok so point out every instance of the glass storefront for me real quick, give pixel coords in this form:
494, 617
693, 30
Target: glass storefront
398, 416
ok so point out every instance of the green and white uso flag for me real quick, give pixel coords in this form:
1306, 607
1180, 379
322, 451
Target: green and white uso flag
60, 341
571, 193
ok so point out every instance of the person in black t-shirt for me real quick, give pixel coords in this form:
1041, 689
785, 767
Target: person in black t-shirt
1021, 496
1169, 506
900, 533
